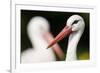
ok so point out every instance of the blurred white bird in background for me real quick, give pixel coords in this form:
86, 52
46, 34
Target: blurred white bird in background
74, 27
39, 35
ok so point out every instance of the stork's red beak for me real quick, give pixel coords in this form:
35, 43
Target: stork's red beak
65, 32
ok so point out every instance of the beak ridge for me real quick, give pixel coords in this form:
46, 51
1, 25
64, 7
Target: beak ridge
65, 32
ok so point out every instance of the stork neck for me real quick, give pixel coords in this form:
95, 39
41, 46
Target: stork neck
38, 42
72, 45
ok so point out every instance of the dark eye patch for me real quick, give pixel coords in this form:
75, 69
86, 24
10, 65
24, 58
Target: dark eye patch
75, 22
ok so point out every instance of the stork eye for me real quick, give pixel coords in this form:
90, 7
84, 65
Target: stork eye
75, 22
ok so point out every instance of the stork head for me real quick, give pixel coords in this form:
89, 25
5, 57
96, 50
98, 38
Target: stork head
75, 23
37, 26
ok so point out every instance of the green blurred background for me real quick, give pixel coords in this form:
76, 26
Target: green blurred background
57, 22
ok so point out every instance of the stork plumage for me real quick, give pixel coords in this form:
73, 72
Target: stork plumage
74, 28
37, 29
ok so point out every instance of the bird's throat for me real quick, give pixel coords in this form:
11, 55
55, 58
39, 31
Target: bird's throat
38, 42
72, 46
